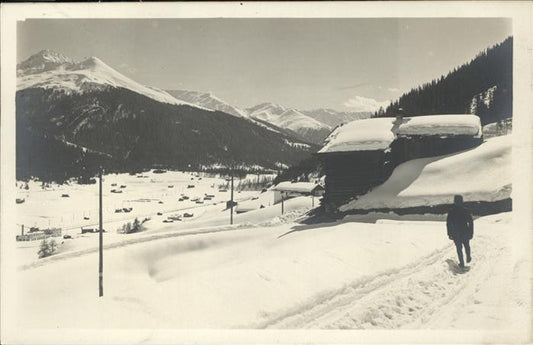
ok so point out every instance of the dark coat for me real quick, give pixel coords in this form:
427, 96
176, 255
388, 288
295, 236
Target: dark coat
460, 224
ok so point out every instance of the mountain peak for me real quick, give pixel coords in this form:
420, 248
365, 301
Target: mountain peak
51, 55
44, 60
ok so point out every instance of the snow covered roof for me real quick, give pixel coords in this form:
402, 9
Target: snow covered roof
441, 125
361, 135
379, 133
298, 187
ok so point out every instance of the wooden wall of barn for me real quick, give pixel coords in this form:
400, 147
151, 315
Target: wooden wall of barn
405, 148
349, 174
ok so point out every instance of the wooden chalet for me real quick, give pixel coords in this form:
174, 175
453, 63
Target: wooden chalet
363, 153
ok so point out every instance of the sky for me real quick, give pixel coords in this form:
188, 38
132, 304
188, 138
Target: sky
349, 64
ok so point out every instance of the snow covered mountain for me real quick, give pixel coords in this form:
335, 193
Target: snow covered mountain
73, 117
334, 118
44, 60
208, 101
291, 119
50, 70
310, 125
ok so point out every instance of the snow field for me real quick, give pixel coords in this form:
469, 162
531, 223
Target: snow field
259, 274
214, 221
45, 208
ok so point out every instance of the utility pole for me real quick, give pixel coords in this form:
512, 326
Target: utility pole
282, 200
101, 239
231, 202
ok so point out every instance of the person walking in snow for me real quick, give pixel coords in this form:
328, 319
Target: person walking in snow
460, 227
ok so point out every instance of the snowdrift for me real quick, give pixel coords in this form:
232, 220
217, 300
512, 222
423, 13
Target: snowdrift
480, 174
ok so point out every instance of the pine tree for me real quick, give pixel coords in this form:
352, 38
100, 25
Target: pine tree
136, 227
47, 248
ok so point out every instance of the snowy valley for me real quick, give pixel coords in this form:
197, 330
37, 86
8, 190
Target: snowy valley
201, 214
272, 270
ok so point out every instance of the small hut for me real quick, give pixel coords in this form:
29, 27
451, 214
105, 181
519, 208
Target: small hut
282, 191
289, 190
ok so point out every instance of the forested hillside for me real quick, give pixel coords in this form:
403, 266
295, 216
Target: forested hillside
63, 135
483, 86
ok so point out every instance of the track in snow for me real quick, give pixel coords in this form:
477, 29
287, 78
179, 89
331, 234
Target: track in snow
401, 298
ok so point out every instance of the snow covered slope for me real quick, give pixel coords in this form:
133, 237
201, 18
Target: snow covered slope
339, 276
480, 174
50, 70
208, 101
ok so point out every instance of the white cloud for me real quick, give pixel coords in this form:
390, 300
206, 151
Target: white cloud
359, 103
393, 89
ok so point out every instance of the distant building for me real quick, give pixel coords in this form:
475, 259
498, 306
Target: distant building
289, 190
363, 153
36, 234
284, 190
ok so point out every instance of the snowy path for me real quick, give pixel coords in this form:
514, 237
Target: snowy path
429, 293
